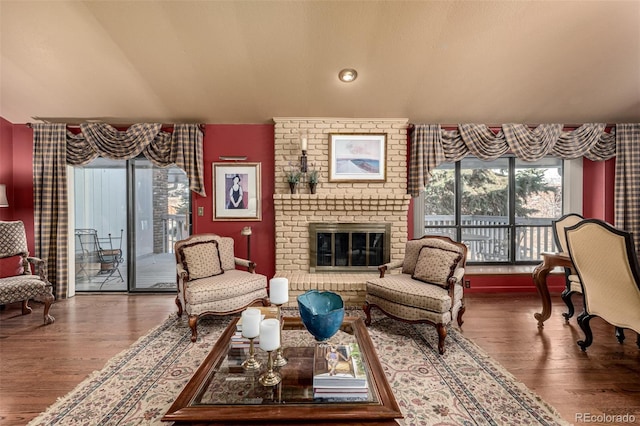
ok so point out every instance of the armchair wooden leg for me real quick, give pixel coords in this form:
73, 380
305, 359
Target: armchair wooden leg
367, 311
583, 321
193, 323
442, 334
26, 309
461, 312
179, 306
566, 298
48, 300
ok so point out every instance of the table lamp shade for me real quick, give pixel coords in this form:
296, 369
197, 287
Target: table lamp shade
279, 290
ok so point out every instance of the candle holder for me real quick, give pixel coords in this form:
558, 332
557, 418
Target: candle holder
279, 295
251, 363
270, 377
280, 360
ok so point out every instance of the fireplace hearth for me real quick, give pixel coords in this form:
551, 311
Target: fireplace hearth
340, 247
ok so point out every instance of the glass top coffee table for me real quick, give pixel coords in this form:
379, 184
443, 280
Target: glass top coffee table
221, 392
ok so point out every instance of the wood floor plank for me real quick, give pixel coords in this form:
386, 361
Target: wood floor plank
39, 364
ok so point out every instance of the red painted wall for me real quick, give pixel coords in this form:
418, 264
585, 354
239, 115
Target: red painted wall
16, 171
6, 165
257, 143
23, 180
599, 189
516, 283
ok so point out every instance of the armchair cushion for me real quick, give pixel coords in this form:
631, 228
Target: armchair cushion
226, 251
412, 252
436, 265
201, 259
11, 266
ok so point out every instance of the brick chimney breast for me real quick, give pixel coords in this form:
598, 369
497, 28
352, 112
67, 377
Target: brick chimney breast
335, 202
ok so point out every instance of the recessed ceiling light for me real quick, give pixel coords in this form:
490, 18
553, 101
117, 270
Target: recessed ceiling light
347, 75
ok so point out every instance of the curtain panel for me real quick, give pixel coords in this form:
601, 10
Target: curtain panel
50, 202
55, 147
627, 192
431, 145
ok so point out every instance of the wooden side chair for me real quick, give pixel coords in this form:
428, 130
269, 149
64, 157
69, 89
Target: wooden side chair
606, 262
429, 288
27, 284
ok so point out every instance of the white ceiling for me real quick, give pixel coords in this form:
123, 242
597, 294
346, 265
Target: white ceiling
248, 61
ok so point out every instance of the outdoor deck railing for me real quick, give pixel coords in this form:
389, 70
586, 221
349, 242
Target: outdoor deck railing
487, 237
175, 228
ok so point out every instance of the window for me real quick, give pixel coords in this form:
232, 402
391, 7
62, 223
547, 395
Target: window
502, 209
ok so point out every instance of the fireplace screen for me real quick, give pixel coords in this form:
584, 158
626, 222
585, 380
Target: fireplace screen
348, 246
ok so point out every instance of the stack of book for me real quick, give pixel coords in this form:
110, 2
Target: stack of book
235, 358
338, 373
240, 342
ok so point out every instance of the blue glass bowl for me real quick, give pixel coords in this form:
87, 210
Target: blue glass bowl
321, 312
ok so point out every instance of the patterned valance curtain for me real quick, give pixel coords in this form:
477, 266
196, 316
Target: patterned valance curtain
55, 147
183, 147
431, 145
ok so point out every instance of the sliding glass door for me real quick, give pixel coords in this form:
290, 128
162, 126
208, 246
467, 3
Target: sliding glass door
160, 200
128, 214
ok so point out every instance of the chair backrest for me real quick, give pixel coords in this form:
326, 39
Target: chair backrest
558, 227
87, 241
412, 250
225, 248
13, 239
605, 259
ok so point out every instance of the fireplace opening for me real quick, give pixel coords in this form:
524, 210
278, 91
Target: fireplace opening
349, 247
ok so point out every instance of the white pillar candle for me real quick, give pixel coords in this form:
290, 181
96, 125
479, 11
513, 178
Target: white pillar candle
304, 143
279, 290
251, 322
270, 334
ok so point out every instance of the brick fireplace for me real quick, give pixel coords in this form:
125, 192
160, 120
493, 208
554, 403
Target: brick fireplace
334, 203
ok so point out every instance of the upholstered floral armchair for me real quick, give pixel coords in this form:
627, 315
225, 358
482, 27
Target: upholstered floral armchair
27, 284
209, 282
429, 288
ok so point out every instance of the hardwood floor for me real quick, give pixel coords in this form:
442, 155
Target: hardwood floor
39, 364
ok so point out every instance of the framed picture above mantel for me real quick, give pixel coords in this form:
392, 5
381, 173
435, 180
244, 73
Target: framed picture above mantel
357, 157
236, 191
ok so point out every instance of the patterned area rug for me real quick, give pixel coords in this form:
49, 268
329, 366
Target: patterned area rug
462, 387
